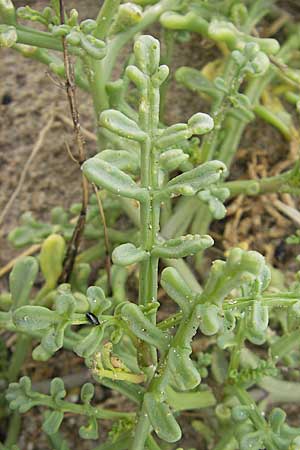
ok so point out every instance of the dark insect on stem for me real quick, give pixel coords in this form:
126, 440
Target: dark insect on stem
92, 318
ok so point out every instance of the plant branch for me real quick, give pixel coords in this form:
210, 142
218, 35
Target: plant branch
106, 238
71, 93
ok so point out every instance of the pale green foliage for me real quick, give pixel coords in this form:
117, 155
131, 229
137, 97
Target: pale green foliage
170, 181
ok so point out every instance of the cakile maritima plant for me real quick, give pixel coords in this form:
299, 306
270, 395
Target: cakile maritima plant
216, 354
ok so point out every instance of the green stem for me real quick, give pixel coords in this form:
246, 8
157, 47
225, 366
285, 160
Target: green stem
271, 118
285, 182
98, 79
169, 40
183, 401
255, 415
37, 38
80, 409
22, 348
120, 444
141, 431
57, 442
150, 210
181, 218
219, 109
7, 324
150, 16
235, 127
13, 429
227, 442
236, 350
152, 444
182, 267
105, 18
285, 344
281, 391
277, 300
43, 56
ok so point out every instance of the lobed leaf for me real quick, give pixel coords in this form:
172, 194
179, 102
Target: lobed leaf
91, 343
53, 421
182, 246
147, 54
122, 159
185, 375
142, 327
162, 419
33, 318
200, 123
192, 181
177, 289
127, 254
120, 124
172, 159
195, 81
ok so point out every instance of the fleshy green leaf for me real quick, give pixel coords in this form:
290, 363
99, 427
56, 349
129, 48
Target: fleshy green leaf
196, 82
87, 392
57, 389
127, 254
147, 54
113, 179
171, 159
53, 421
196, 179
184, 373
177, 289
21, 280
120, 124
32, 318
182, 246
89, 431
94, 47
142, 327
210, 321
8, 35
51, 258
97, 300
122, 159
162, 419
91, 343
200, 123
173, 135
127, 16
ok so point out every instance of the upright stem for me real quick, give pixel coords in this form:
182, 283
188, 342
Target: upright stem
228, 147
105, 17
256, 417
219, 110
98, 78
149, 211
236, 350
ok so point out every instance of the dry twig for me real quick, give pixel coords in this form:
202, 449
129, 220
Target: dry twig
88, 134
28, 252
290, 212
80, 158
74, 243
